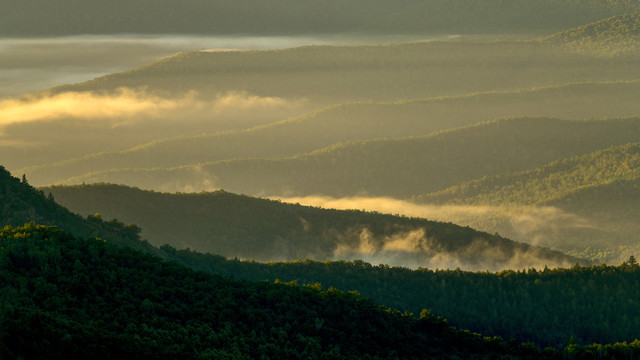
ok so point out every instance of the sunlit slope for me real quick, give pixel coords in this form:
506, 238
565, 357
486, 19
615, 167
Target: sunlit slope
384, 72
394, 167
601, 188
253, 228
69, 17
617, 35
358, 121
548, 184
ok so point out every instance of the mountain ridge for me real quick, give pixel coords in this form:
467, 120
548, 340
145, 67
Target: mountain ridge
357, 121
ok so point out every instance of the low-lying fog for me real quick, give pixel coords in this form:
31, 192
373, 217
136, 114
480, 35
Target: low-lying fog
545, 226
33, 64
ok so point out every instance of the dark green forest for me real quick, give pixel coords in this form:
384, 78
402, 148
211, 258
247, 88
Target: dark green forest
21, 203
65, 297
38, 18
545, 306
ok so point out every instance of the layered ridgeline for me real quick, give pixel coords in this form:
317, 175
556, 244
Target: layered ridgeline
20, 203
207, 92
617, 35
392, 167
601, 189
351, 122
33, 18
373, 72
64, 297
265, 230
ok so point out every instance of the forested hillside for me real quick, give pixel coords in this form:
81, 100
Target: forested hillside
550, 183
68, 297
20, 203
546, 306
64, 297
67, 17
351, 122
392, 167
265, 230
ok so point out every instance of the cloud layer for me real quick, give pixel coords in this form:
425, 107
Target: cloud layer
533, 225
125, 105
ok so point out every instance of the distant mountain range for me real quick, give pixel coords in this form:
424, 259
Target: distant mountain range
551, 184
393, 167
357, 121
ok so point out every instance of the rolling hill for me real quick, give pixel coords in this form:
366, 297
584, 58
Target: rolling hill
548, 184
351, 122
267, 230
392, 167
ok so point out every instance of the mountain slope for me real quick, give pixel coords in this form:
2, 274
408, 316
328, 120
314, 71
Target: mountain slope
525, 305
70, 298
551, 183
264, 230
357, 121
393, 167
20, 203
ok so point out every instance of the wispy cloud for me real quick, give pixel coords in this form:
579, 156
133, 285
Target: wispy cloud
125, 105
